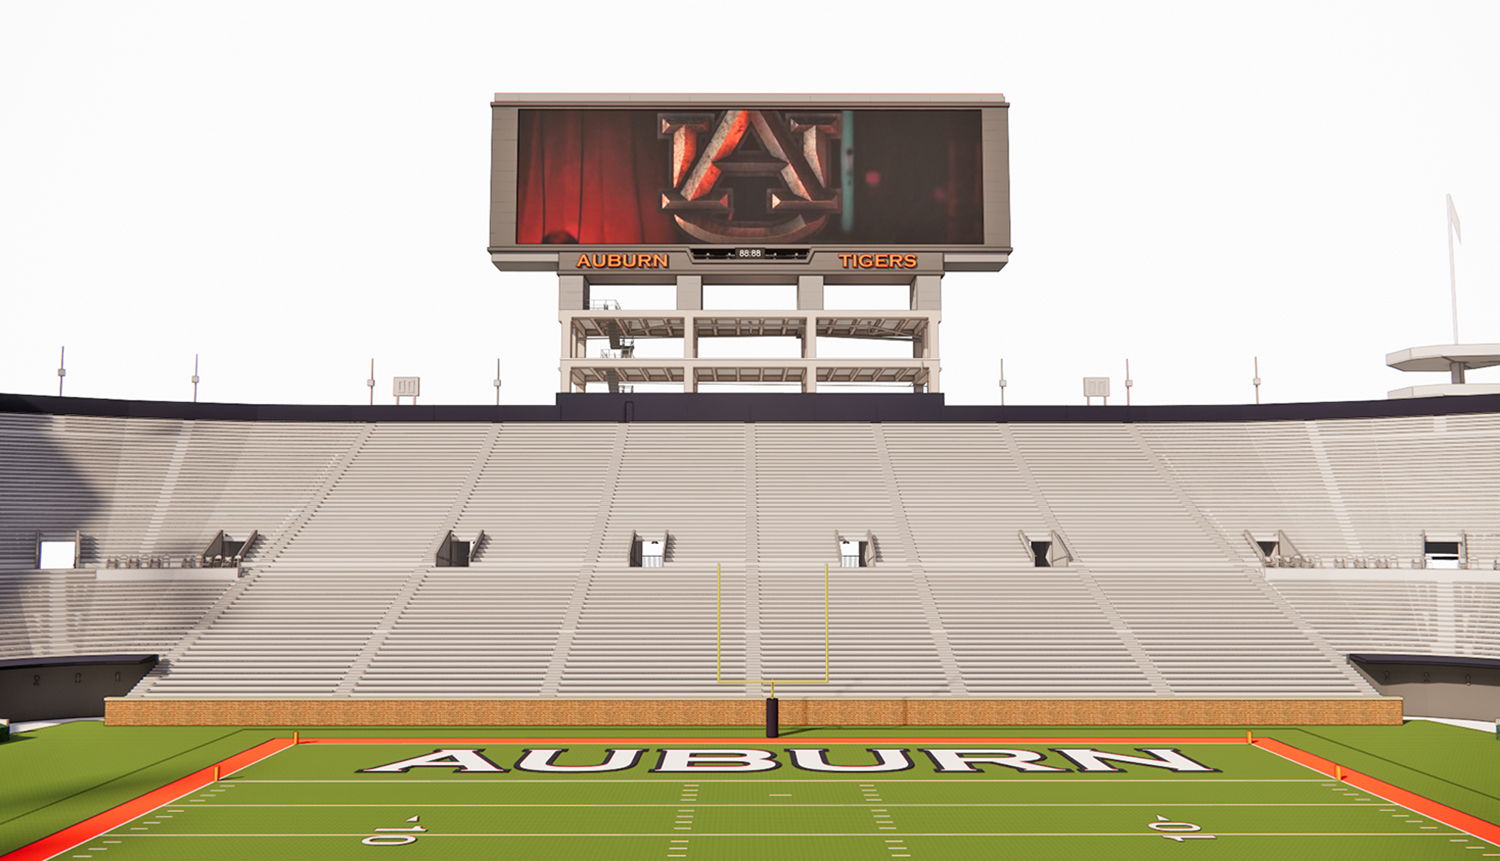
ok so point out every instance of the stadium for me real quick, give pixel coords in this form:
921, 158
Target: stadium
443, 627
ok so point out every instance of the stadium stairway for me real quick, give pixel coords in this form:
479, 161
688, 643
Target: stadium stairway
388, 506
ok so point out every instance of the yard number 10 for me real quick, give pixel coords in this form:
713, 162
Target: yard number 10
396, 836
1178, 830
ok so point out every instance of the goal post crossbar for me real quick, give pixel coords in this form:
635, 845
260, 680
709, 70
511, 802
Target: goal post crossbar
719, 640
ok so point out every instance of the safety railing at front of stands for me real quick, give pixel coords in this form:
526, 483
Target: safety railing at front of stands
148, 561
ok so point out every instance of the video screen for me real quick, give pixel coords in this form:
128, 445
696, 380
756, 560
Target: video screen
737, 177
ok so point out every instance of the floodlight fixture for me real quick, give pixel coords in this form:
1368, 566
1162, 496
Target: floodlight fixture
404, 387
1095, 387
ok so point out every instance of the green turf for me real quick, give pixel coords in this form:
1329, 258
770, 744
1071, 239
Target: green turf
72, 771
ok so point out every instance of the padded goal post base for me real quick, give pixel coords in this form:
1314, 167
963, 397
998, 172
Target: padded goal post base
1143, 711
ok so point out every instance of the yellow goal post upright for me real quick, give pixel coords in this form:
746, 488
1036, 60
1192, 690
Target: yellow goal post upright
773, 716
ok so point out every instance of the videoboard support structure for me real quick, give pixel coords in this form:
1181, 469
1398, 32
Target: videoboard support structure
694, 190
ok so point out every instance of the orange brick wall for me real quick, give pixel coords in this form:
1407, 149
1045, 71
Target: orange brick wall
122, 711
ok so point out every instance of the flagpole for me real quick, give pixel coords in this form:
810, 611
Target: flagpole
1453, 228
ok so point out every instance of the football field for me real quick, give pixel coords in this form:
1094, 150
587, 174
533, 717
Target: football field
754, 798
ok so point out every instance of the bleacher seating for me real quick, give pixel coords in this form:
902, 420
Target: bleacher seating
1164, 596
539, 495
389, 508
1036, 635
471, 634
684, 480
285, 634
71, 613
813, 481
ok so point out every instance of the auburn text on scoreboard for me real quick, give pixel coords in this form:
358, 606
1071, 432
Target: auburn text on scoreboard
658, 260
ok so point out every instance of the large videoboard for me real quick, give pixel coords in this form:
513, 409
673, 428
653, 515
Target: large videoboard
746, 174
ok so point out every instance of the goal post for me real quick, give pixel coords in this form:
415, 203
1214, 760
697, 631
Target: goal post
773, 722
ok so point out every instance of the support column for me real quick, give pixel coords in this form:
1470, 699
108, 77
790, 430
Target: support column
810, 298
919, 351
689, 380
689, 336
573, 347
809, 292
572, 293
927, 293
925, 344
690, 292
930, 352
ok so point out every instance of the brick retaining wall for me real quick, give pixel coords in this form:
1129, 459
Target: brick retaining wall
345, 711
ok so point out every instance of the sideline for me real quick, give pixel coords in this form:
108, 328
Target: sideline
95, 826
1472, 825
1481, 725
34, 725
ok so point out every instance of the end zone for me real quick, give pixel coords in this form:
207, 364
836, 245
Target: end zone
96, 826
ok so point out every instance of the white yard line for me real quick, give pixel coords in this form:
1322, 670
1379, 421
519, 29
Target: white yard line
429, 835
523, 781
785, 805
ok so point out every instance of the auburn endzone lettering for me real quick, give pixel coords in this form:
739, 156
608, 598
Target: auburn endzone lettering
733, 760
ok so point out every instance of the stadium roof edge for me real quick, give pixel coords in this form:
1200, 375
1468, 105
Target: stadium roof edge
42, 661
777, 100
725, 407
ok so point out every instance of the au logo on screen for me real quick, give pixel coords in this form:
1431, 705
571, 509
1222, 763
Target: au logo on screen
783, 155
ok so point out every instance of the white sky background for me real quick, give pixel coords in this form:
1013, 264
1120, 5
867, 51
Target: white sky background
291, 189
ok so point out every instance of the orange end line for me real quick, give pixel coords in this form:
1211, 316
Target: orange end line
796, 742
96, 826
1425, 806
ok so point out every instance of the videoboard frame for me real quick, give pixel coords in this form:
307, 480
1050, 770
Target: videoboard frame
691, 252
